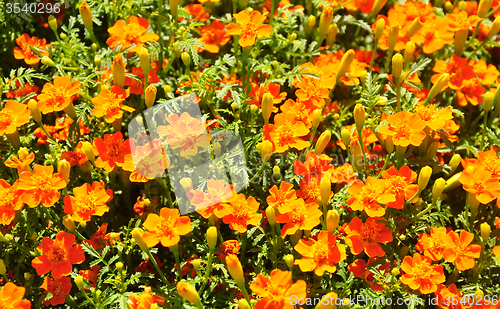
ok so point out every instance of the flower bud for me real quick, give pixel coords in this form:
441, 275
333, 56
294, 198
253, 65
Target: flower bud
379, 28
377, 6
432, 150
267, 106
409, 52
488, 101
3, 269
460, 40
357, 156
68, 223
332, 220
119, 266
483, 8
389, 144
53, 23
448, 6
289, 260
271, 216
93, 46
150, 95
381, 101
359, 117
97, 61
424, 176
346, 137
47, 61
212, 237
395, 272
325, 20
495, 28
316, 117
276, 172
118, 71
485, 231
186, 183
393, 36
86, 15
439, 86
64, 168
462, 6
137, 234
79, 282
235, 269
187, 291
332, 34
397, 67
322, 142
196, 264
415, 26
167, 88
27, 276
144, 61
438, 188
266, 150
325, 189
35, 112
452, 182
346, 61
174, 4
454, 162
328, 301
243, 304
89, 151
186, 58
310, 23
253, 109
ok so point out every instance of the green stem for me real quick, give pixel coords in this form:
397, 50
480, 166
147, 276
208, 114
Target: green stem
473, 35
243, 246
272, 12
208, 271
398, 93
418, 216
175, 251
152, 259
477, 49
375, 46
261, 169
388, 61
485, 122
273, 242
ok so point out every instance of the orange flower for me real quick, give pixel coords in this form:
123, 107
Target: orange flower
393, 19
309, 188
433, 245
197, 12
311, 89
460, 21
26, 43
420, 274
320, 255
301, 110
228, 247
100, 239
165, 228
91, 275
405, 128
272, 89
23, 162
364, 5
369, 196
12, 116
470, 92
131, 33
108, 103
11, 297
458, 70
210, 202
487, 73
286, 133
488, 160
76, 157
480, 182
212, 36
434, 35
434, 118
400, 183
57, 288
144, 300
41, 186
58, 96
451, 297
343, 174
280, 198
111, 151
58, 255
21, 91
277, 290
298, 215
137, 86
314, 165
249, 26
360, 269
146, 162
367, 236
242, 213
459, 251
87, 201
10, 201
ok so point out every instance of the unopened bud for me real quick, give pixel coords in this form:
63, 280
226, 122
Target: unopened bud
212, 237
119, 266
3, 269
271, 216
322, 142
316, 117
474, 203
144, 61
424, 176
488, 101
454, 162
438, 188
462, 6
267, 106
325, 21
186, 58
452, 182
379, 28
332, 220
397, 67
86, 15
395, 272
460, 40
377, 6
346, 61
266, 150
332, 34
137, 235
89, 151
53, 23
69, 223
150, 95
440, 84
485, 231
325, 190
276, 172
243, 304
483, 8
188, 292
174, 4
64, 168
47, 61
432, 150
495, 28
409, 52
289, 260
79, 282
359, 117
35, 112
186, 183
310, 23
118, 71
235, 269
346, 137
393, 36
196, 264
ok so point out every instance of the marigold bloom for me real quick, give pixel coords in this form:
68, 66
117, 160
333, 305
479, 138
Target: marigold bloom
271, 88
313, 165
12, 116
100, 239
393, 20
420, 274
21, 91
320, 255
91, 275
11, 297
470, 92
369, 196
87, 201
298, 215
451, 297
460, 21
131, 33
460, 251
22, 162
282, 196
213, 36
144, 300
311, 89
137, 86
277, 290
146, 161
405, 128
76, 157
41, 186
58, 255
58, 288
228, 247
242, 212
367, 236
434, 118
487, 73
400, 182
10, 201
458, 70
249, 26
310, 188
58, 96
360, 269
210, 202
111, 151
197, 12
434, 35
286, 133
480, 182
24, 51
433, 245
165, 228
108, 103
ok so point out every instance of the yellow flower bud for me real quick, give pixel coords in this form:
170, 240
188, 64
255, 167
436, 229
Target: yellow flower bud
440, 84
397, 67
186, 183
289, 260
267, 106
460, 40
196, 264
346, 137
483, 8
276, 172
395, 272
322, 142
118, 71
316, 117
47, 61
150, 95
212, 237
325, 20
217, 148
381, 101
452, 182
448, 6
332, 220
438, 188
485, 231
35, 112
359, 117
415, 26
266, 150
495, 28
377, 6
235, 269
86, 15
310, 23
79, 282
154, 306
424, 176
332, 34
432, 150
188, 292
144, 61
64, 168
53, 23
325, 189
346, 61
97, 61
186, 58
409, 52
327, 301
119, 266
93, 46
271, 216
27, 276
357, 156
234, 106
393, 36
3, 270
379, 28
253, 109
174, 4
462, 5
137, 235
488, 101
167, 88
68, 223
243, 304
89, 151
454, 162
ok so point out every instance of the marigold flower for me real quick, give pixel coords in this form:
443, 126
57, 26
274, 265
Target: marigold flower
286, 133
133, 32
58, 96
212, 37
367, 236
146, 162
458, 70
313, 165
480, 182
11, 297
298, 215
197, 12
210, 202
460, 21
434, 118
87, 201
320, 255
22, 162
400, 183
434, 35
421, 275
100, 239
165, 228
249, 26
90, 275
24, 51
41, 186
58, 255
370, 195
460, 251
228, 247
470, 92
108, 103
10, 201
282, 196
405, 128
242, 212
144, 300
12, 116
277, 290
451, 297
111, 151
433, 245
21, 91
58, 288
137, 86
312, 89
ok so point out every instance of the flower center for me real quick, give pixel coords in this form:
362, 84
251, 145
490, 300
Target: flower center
56, 253
369, 231
6, 119
321, 251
